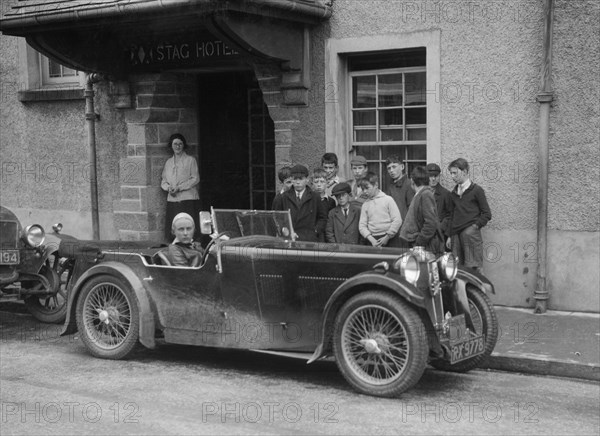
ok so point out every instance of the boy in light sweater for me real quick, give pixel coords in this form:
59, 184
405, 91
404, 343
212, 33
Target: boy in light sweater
380, 217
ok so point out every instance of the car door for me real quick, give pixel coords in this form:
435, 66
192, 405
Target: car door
188, 302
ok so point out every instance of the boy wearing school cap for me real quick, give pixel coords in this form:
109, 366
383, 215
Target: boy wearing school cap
309, 215
342, 222
359, 168
443, 198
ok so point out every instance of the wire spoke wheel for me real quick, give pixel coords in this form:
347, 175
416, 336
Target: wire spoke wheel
375, 344
107, 317
379, 344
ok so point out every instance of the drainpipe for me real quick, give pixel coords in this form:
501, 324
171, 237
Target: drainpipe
544, 97
90, 117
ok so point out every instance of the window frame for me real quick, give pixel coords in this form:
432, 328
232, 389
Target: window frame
378, 164
31, 87
337, 85
57, 82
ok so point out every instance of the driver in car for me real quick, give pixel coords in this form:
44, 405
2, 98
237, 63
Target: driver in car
184, 251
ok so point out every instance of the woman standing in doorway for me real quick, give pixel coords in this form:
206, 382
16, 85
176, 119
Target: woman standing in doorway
180, 179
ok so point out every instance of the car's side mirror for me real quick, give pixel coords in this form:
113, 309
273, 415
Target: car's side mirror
205, 223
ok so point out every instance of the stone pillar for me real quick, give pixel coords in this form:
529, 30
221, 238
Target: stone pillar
284, 116
163, 104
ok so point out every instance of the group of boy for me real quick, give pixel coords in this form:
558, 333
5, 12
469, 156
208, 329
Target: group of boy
358, 212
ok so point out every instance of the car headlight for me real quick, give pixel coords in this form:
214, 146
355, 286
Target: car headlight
448, 266
408, 266
34, 235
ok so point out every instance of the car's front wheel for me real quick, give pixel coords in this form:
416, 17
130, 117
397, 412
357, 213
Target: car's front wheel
380, 344
52, 308
485, 322
108, 317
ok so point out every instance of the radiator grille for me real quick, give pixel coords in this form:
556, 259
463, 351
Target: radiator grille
8, 234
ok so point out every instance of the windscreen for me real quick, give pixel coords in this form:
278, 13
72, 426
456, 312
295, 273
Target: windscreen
238, 222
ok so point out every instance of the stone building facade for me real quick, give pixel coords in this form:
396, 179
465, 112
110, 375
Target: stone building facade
469, 74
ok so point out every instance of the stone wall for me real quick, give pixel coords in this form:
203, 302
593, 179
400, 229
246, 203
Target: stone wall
163, 104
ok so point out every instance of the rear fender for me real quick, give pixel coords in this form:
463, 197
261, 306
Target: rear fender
362, 282
123, 272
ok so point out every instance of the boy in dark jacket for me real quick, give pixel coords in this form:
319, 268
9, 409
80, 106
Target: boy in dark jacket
342, 222
309, 214
443, 199
470, 213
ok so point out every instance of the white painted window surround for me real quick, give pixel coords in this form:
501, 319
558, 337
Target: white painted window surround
338, 125
36, 76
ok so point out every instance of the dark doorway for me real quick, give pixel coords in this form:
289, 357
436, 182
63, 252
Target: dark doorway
236, 143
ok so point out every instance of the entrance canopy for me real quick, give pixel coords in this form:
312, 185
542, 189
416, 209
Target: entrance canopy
118, 37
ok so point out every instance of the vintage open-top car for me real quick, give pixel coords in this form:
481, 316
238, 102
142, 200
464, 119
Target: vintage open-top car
383, 313
30, 269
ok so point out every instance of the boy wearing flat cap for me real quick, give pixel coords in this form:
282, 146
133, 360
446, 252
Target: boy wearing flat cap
359, 168
309, 214
443, 198
342, 222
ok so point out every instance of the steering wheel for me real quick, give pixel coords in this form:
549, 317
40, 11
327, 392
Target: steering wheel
212, 242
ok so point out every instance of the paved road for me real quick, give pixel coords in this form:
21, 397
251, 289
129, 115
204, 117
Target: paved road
50, 385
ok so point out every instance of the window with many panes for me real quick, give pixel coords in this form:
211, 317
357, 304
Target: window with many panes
388, 108
262, 152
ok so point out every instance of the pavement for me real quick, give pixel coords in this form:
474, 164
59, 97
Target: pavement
565, 344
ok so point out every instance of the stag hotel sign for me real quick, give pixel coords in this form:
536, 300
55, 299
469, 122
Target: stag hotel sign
179, 53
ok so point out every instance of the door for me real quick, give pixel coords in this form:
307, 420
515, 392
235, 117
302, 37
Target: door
236, 143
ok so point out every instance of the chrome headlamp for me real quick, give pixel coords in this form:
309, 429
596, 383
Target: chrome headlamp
408, 266
448, 266
34, 235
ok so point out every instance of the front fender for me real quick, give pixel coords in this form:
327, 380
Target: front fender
33, 259
479, 280
51, 245
147, 321
364, 281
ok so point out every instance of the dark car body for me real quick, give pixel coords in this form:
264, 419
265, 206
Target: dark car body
29, 269
258, 289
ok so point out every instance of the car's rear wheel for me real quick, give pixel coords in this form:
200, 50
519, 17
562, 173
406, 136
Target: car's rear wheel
485, 321
380, 344
52, 308
108, 317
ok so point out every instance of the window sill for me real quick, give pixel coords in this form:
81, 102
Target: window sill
50, 94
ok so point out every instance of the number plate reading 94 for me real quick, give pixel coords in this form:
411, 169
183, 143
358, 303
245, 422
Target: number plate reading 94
9, 257
469, 348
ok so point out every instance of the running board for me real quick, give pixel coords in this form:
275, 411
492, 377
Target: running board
292, 354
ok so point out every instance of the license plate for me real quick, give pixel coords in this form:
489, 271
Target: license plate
466, 349
9, 257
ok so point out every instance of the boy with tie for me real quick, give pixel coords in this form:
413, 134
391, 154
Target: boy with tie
342, 222
309, 214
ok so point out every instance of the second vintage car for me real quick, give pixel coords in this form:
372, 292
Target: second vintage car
383, 313
31, 270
